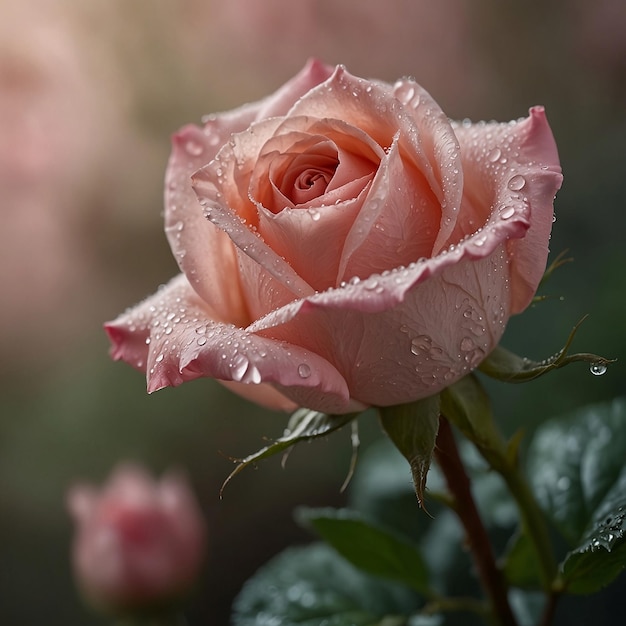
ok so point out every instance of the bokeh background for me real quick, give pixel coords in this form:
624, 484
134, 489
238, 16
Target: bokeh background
90, 93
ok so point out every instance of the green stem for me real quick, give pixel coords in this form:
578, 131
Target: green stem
533, 521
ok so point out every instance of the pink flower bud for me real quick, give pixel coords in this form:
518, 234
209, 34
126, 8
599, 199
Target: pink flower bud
139, 542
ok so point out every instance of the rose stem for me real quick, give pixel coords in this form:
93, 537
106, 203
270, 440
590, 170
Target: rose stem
449, 460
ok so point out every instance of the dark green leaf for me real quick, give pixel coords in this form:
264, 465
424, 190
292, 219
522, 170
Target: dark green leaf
511, 368
413, 429
312, 586
577, 467
303, 425
369, 546
590, 570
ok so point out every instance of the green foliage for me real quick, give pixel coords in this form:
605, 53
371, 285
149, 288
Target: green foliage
577, 465
313, 585
369, 546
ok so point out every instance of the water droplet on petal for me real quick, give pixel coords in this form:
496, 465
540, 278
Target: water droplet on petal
304, 371
466, 344
507, 213
421, 343
194, 148
494, 155
517, 182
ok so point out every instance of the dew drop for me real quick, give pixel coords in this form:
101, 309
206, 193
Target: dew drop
597, 369
466, 344
517, 182
494, 155
193, 148
201, 341
239, 367
421, 343
507, 213
304, 371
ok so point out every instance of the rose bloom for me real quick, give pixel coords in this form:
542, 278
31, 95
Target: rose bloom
343, 244
139, 543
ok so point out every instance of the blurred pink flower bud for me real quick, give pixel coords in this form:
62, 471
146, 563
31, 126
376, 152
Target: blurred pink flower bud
139, 543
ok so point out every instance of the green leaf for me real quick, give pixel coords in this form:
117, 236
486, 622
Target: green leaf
504, 365
590, 570
303, 425
577, 467
314, 586
413, 429
369, 546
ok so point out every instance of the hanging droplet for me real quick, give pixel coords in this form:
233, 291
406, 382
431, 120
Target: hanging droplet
597, 369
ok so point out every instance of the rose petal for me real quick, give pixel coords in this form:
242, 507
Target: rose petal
440, 147
187, 343
397, 224
425, 348
226, 207
426, 135
513, 170
203, 252
311, 239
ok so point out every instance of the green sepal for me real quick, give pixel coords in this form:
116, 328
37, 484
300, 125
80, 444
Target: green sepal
413, 429
303, 425
504, 365
369, 546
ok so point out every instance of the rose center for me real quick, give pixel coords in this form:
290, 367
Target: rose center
308, 176
310, 184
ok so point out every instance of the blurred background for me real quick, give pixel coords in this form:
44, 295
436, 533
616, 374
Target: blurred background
90, 93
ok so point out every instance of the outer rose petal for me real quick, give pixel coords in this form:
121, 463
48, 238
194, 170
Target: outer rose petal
185, 342
440, 317
519, 159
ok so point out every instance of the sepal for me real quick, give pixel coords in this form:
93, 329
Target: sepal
504, 365
303, 425
413, 429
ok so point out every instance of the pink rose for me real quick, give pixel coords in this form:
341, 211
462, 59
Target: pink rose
343, 244
139, 542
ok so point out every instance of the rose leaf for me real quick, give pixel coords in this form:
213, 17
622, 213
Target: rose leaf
369, 546
576, 466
